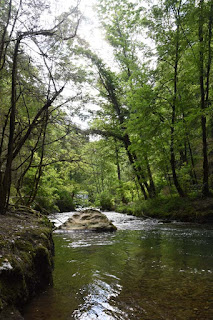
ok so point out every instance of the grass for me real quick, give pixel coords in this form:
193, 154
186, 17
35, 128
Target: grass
175, 208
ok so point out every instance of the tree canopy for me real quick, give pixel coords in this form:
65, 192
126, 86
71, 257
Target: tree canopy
150, 134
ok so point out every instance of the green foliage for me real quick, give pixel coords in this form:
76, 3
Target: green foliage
171, 208
106, 202
156, 104
149, 101
31, 81
65, 201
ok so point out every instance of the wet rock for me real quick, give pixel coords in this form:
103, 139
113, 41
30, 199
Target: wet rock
26, 259
88, 219
165, 221
10, 313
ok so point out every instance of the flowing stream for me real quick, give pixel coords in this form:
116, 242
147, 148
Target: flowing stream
146, 270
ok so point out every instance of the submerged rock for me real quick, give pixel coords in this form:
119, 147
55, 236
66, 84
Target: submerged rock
89, 219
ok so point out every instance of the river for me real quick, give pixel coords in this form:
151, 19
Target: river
146, 270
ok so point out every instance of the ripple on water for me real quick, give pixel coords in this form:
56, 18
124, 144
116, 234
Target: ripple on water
145, 270
96, 303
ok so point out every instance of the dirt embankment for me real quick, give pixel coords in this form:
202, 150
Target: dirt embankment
26, 258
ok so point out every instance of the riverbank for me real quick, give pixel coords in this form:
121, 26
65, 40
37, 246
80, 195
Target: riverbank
180, 209
26, 258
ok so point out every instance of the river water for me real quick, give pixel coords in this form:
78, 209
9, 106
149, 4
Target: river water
146, 270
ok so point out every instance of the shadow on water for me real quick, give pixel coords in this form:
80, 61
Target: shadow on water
145, 270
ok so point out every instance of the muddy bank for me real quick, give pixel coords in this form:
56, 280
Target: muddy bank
26, 258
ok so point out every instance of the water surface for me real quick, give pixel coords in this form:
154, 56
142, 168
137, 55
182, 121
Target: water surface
146, 270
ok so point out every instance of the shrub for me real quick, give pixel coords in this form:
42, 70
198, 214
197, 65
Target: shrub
65, 202
106, 202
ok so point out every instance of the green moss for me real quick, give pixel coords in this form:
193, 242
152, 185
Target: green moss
23, 245
1, 304
29, 251
13, 286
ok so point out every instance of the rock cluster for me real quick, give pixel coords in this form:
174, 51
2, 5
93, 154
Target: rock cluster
88, 219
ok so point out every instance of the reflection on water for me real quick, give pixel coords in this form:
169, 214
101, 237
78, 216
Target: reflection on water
145, 270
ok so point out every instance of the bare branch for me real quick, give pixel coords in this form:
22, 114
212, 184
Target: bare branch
33, 124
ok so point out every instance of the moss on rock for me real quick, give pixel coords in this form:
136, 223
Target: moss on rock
26, 257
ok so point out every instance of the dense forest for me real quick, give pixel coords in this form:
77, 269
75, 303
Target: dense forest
149, 111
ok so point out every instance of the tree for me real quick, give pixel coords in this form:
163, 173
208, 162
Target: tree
205, 49
162, 101
23, 33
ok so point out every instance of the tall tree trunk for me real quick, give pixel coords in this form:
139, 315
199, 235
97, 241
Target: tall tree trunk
193, 172
131, 158
117, 162
3, 36
152, 189
6, 176
172, 152
204, 94
39, 172
30, 158
187, 145
123, 199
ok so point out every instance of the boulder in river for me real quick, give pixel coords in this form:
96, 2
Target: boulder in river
89, 219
